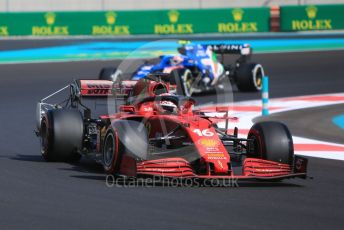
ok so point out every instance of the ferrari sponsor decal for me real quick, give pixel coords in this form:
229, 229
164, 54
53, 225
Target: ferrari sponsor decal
208, 143
212, 150
216, 156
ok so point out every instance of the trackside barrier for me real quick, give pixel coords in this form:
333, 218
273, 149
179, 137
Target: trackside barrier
176, 21
265, 96
312, 17
230, 20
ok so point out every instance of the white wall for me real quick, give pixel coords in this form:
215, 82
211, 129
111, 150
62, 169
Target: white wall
95, 5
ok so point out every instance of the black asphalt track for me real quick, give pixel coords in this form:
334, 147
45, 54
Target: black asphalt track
39, 195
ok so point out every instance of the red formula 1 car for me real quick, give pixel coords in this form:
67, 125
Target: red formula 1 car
154, 133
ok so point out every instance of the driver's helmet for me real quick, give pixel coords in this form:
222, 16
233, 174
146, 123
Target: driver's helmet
167, 106
176, 60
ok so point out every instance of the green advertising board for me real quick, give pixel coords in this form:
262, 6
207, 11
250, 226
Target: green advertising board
234, 20
312, 17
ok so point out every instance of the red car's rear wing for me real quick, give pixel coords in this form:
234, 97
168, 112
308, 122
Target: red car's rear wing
95, 87
105, 88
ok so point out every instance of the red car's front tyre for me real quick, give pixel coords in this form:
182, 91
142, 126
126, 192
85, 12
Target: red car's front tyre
271, 141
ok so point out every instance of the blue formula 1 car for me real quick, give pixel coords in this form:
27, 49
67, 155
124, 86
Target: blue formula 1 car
196, 68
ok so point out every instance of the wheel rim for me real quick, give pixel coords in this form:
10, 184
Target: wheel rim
258, 73
109, 149
44, 138
256, 152
188, 83
259, 80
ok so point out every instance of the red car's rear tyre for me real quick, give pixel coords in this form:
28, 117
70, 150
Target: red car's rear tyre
110, 74
61, 135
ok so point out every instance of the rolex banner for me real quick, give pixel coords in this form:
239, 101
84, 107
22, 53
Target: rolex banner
312, 17
236, 20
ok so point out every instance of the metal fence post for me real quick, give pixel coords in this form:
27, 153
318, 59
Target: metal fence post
265, 96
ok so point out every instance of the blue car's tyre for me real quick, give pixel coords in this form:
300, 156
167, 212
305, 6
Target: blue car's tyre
249, 77
110, 74
184, 80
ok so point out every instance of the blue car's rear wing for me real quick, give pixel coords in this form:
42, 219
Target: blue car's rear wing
220, 48
242, 49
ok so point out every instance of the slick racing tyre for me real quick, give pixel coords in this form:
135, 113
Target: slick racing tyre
110, 74
271, 141
184, 80
124, 137
249, 77
61, 133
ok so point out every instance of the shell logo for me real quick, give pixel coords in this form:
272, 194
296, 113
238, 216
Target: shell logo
173, 16
111, 18
209, 143
311, 11
50, 18
237, 14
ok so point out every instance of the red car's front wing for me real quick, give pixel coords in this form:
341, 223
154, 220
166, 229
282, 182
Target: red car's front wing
252, 168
